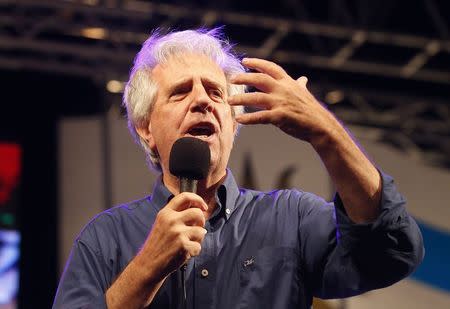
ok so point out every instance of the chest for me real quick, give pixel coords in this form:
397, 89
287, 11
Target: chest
246, 260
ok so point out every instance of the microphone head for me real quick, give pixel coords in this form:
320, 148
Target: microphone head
190, 158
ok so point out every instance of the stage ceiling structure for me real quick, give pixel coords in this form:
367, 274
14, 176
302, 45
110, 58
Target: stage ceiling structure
384, 65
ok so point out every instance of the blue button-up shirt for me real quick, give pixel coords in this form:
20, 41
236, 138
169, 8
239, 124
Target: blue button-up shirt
262, 250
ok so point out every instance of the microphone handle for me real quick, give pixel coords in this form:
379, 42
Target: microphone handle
188, 185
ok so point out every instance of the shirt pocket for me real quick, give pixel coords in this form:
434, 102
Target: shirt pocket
268, 268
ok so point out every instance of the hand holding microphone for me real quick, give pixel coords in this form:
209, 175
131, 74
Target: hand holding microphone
179, 229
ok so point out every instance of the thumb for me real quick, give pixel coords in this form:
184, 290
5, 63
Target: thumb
302, 80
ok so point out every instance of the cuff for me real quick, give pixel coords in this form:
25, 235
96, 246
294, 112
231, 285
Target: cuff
392, 214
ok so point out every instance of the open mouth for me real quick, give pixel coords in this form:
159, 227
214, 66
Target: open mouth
202, 130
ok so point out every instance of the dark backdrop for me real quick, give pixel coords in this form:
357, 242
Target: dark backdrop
31, 105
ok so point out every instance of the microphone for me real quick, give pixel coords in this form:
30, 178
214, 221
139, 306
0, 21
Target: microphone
189, 160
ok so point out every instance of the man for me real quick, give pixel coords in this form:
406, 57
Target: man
243, 249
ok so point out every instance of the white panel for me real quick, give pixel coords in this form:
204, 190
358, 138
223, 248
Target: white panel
427, 188
272, 151
131, 178
81, 188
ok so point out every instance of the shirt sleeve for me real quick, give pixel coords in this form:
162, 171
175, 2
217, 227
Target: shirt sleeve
343, 259
82, 284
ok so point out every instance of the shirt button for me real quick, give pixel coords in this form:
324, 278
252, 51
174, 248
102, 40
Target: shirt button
228, 211
204, 273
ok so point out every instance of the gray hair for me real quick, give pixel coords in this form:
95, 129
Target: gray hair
140, 91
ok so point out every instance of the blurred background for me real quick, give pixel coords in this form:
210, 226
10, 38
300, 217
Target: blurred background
383, 67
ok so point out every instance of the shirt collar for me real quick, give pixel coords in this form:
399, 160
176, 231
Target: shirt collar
161, 194
227, 194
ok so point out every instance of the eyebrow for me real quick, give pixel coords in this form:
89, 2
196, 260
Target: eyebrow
188, 80
180, 83
212, 83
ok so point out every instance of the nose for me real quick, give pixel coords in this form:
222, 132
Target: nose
201, 103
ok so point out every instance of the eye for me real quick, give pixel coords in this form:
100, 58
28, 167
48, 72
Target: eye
216, 94
179, 92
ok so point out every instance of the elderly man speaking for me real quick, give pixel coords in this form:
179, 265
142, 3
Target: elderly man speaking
238, 248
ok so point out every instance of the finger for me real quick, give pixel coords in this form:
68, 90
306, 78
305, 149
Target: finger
193, 248
193, 217
264, 66
302, 81
187, 200
253, 99
260, 81
195, 233
260, 117
191, 242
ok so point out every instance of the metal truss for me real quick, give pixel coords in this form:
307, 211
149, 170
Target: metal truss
417, 126
98, 39
106, 32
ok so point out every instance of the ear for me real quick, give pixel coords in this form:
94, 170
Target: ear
235, 127
235, 123
145, 132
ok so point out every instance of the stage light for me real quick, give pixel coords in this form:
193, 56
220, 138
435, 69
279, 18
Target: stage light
91, 2
115, 86
334, 97
94, 33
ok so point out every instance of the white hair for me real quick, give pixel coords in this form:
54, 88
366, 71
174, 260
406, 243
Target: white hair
140, 91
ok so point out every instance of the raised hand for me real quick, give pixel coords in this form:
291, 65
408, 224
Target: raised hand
285, 102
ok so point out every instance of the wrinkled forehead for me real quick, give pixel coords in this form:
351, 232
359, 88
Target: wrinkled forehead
180, 66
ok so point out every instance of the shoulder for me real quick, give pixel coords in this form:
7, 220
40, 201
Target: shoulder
290, 199
111, 221
273, 197
282, 195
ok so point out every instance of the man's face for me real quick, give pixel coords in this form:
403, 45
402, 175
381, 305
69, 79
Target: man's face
192, 101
